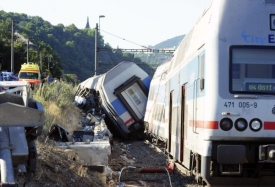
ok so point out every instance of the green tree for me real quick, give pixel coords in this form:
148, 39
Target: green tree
72, 49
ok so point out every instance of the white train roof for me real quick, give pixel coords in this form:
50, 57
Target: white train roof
91, 82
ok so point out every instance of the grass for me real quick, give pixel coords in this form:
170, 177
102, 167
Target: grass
57, 99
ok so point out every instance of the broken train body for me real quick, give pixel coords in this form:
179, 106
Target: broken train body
121, 93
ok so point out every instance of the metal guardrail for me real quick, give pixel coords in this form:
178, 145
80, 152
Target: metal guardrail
17, 147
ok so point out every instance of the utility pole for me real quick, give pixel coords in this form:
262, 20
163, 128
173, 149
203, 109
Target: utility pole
96, 49
12, 47
40, 61
49, 60
28, 42
101, 16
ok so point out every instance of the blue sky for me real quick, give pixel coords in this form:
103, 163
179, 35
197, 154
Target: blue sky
127, 24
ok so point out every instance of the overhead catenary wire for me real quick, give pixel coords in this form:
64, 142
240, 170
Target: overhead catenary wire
144, 48
125, 39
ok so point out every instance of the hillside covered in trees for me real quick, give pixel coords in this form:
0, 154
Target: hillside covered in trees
59, 49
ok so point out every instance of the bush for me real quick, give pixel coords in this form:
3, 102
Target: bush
57, 99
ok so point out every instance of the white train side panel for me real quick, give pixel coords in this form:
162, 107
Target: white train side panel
219, 96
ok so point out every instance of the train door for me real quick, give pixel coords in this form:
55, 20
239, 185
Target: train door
170, 121
185, 153
182, 122
198, 92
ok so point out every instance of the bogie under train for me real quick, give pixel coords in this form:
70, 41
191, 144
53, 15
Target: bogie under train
214, 102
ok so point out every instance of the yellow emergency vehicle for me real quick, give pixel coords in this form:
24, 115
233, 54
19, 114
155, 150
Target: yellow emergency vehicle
30, 72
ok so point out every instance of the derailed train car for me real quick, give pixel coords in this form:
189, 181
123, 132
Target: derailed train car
214, 104
121, 93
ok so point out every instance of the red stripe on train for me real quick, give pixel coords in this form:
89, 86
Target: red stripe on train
205, 124
268, 125
128, 121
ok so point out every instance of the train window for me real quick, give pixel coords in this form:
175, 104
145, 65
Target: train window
252, 70
201, 71
175, 120
152, 93
235, 71
269, 2
134, 96
163, 114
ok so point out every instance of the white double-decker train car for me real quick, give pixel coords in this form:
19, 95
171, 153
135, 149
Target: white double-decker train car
155, 106
216, 104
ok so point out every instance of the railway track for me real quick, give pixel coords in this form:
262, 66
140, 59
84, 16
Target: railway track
143, 163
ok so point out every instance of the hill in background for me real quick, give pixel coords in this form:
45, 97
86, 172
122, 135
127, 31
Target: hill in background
170, 43
68, 50
155, 59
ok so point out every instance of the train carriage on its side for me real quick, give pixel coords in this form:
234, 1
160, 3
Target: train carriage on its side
121, 93
215, 104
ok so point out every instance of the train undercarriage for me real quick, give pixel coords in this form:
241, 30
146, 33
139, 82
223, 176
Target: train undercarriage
232, 164
235, 164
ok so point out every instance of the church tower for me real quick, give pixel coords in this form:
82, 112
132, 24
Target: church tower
87, 24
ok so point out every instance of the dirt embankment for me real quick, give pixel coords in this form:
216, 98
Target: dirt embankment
60, 168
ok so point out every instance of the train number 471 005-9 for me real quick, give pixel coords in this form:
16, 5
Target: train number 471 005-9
241, 105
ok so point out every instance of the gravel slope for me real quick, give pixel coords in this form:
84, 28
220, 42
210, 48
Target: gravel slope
60, 168
142, 155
